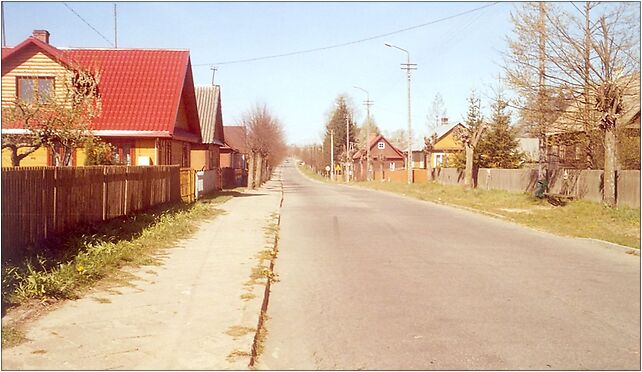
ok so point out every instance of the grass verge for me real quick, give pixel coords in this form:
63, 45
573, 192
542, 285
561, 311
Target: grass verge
12, 336
579, 218
69, 265
306, 170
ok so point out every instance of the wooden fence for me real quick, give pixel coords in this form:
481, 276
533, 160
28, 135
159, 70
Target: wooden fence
233, 177
583, 184
188, 185
38, 202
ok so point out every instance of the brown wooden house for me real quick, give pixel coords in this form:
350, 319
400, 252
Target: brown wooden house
384, 157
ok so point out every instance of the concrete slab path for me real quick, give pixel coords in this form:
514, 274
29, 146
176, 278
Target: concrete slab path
187, 313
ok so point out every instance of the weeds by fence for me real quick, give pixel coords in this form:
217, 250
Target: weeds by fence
38, 202
582, 184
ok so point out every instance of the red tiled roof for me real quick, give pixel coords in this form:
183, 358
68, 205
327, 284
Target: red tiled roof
5, 51
235, 137
141, 89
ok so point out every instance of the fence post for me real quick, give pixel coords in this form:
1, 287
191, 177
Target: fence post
42, 203
126, 181
55, 198
104, 193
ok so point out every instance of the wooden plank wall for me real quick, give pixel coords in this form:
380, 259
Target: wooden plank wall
40, 201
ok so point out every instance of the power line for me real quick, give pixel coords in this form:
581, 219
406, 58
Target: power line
87, 23
304, 51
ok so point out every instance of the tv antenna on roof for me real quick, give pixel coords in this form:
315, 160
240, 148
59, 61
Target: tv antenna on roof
214, 69
115, 27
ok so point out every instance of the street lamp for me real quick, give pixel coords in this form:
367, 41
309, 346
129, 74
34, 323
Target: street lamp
368, 103
408, 67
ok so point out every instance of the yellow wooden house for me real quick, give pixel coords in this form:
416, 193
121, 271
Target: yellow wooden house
445, 146
149, 111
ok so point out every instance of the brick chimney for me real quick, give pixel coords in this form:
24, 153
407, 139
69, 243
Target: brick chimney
42, 35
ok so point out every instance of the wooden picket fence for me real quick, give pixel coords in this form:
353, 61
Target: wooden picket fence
38, 202
188, 185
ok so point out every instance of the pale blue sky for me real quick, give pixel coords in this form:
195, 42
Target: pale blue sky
453, 56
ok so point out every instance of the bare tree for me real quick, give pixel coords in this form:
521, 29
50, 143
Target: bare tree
436, 113
595, 64
526, 72
429, 143
266, 142
470, 135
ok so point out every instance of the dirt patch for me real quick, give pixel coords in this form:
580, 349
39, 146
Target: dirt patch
515, 210
238, 331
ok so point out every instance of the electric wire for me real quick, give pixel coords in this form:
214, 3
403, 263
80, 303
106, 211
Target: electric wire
88, 24
379, 36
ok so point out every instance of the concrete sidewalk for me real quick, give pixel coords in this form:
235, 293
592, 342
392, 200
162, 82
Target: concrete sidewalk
187, 313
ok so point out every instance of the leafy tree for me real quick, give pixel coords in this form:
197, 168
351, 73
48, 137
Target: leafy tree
59, 123
99, 152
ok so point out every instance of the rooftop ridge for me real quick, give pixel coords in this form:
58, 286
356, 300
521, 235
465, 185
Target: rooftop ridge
126, 49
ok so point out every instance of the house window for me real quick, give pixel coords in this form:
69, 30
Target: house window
212, 162
185, 157
381, 145
168, 152
124, 153
56, 156
392, 165
28, 88
439, 160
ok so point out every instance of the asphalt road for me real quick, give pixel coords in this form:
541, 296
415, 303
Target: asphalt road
370, 280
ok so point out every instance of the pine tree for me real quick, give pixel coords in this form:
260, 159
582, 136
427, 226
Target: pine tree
337, 123
499, 146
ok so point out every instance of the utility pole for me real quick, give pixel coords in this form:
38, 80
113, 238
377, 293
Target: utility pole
4, 34
543, 158
115, 27
332, 154
345, 168
367, 103
408, 67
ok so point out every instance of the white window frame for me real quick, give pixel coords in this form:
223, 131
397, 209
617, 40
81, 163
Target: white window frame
392, 165
381, 145
439, 159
